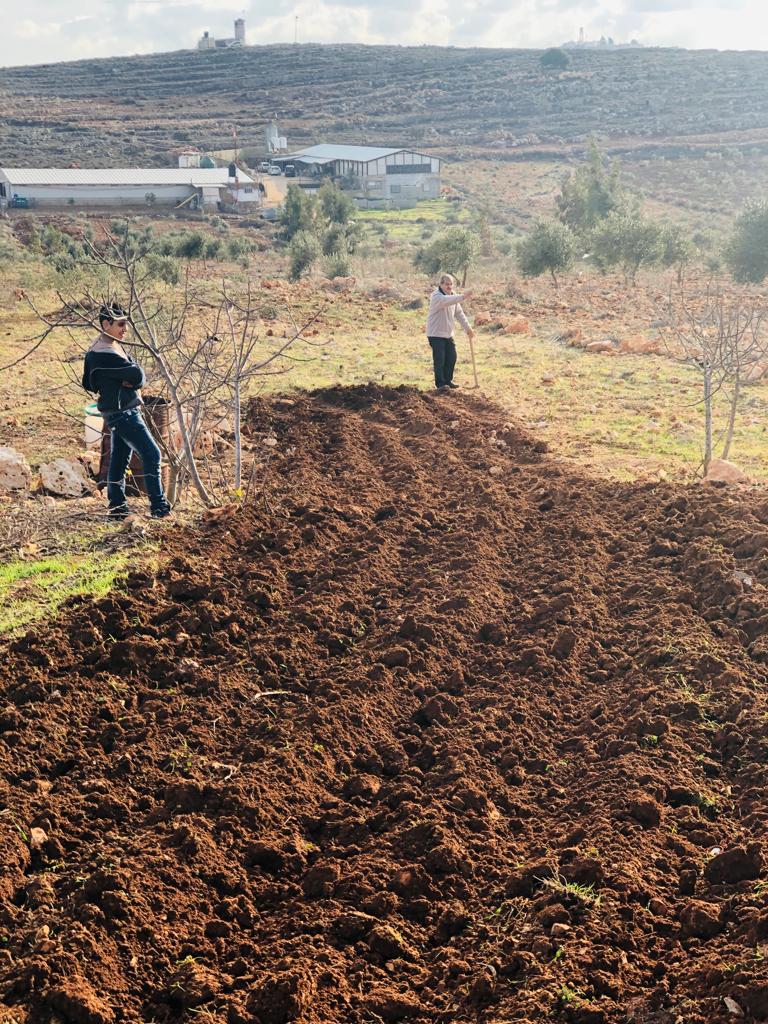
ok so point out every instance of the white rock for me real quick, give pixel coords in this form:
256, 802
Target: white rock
15, 474
64, 478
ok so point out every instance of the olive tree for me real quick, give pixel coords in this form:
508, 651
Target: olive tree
627, 239
454, 251
746, 251
548, 247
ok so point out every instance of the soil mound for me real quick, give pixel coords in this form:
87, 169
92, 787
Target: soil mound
438, 730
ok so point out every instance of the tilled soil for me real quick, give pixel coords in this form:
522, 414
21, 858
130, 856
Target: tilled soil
438, 730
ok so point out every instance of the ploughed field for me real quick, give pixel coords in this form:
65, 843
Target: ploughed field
438, 729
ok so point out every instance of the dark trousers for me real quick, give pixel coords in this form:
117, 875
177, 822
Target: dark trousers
130, 434
443, 359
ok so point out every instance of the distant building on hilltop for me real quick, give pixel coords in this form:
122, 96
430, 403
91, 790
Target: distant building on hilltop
207, 41
603, 43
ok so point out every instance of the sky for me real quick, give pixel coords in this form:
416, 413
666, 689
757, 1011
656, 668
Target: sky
44, 31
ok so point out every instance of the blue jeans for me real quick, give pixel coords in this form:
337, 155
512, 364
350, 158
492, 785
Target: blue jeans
130, 434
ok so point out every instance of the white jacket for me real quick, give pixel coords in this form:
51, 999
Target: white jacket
443, 310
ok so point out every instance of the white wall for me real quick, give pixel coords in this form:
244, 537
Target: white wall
99, 195
402, 189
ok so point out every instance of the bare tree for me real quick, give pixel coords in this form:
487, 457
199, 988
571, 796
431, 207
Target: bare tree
723, 335
203, 346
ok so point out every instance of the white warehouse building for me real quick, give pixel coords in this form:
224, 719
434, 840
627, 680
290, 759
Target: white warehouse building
382, 176
84, 187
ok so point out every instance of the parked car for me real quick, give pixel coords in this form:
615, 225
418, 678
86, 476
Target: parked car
263, 166
290, 171
20, 202
275, 169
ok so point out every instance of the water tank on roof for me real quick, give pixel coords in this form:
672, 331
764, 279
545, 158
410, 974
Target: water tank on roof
207, 161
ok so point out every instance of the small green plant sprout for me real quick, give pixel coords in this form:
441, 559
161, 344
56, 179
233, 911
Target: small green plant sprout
503, 916
186, 961
709, 804
651, 740
17, 825
583, 893
567, 995
761, 888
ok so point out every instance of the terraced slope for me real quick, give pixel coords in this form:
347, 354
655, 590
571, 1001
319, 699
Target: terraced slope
439, 730
98, 111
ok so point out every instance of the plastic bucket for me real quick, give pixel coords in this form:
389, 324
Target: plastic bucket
94, 424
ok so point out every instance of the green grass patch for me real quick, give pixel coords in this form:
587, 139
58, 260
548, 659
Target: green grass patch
408, 225
31, 590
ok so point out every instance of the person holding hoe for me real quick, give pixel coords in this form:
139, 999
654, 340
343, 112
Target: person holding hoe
117, 379
444, 310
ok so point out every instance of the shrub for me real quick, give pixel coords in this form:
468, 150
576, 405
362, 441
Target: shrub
590, 194
337, 206
191, 246
163, 268
237, 247
213, 249
298, 213
304, 250
548, 247
336, 265
554, 59
677, 249
629, 240
746, 251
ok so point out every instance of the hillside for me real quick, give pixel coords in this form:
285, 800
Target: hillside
439, 730
128, 109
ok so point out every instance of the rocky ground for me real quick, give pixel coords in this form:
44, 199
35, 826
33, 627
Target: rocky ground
439, 729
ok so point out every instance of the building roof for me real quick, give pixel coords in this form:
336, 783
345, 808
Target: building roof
195, 177
362, 154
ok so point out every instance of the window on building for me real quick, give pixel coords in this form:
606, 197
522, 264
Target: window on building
394, 189
408, 168
249, 188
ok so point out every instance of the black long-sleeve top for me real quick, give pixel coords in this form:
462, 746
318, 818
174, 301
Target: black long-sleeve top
116, 380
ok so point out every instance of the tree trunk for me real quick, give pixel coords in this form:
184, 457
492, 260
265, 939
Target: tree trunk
173, 482
732, 416
707, 417
236, 405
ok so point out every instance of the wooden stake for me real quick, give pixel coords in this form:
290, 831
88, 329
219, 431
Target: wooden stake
474, 365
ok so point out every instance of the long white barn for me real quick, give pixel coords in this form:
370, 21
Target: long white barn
395, 177
195, 186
